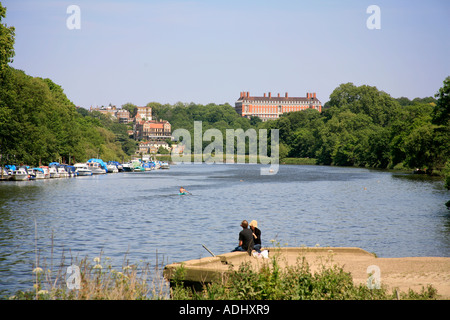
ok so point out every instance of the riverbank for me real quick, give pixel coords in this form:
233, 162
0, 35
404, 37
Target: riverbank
395, 274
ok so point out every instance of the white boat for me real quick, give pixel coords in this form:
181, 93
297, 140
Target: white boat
164, 165
46, 172
38, 173
62, 172
53, 172
112, 168
20, 174
5, 174
95, 168
126, 167
83, 171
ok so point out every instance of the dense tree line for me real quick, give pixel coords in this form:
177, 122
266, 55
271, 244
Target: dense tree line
362, 126
40, 125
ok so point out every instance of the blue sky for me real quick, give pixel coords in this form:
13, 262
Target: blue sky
208, 51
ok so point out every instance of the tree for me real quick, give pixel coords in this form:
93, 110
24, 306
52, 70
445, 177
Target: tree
378, 105
441, 112
132, 109
6, 41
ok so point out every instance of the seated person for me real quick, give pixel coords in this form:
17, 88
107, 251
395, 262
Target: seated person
256, 235
245, 238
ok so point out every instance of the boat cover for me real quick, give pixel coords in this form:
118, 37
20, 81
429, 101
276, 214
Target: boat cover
100, 161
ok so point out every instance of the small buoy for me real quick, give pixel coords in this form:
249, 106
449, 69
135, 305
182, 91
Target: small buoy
365, 188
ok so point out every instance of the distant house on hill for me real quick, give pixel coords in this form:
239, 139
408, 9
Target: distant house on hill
152, 130
122, 115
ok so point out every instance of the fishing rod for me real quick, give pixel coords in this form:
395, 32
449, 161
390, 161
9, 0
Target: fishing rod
208, 250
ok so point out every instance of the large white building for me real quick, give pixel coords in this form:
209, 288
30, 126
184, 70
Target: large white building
271, 107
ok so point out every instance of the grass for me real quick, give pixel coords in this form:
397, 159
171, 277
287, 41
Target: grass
301, 161
99, 280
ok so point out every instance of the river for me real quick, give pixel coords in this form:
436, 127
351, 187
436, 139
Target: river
141, 216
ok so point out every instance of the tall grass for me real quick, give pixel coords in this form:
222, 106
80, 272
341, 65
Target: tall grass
99, 280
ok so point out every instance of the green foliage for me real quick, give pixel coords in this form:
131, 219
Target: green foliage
446, 173
40, 125
363, 126
441, 112
297, 282
6, 42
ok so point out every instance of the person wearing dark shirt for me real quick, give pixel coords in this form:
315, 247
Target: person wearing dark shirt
256, 235
246, 241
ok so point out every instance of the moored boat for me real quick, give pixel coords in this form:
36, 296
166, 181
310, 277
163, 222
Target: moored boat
46, 172
53, 171
82, 169
6, 173
148, 166
164, 165
20, 174
137, 167
71, 171
37, 173
62, 172
112, 168
97, 166
126, 167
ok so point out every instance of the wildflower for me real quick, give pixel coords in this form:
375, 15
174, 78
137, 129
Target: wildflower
38, 270
122, 276
98, 266
42, 292
97, 259
126, 268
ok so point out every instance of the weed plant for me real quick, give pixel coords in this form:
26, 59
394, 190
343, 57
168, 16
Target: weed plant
99, 281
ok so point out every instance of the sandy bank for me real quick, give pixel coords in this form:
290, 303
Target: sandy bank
402, 273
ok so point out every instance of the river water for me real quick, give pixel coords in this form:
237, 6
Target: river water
141, 216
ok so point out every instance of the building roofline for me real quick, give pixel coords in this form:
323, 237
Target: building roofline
277, 99
245, 96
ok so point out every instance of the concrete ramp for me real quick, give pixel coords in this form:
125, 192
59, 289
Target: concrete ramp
209, 269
